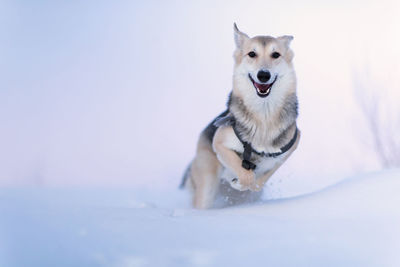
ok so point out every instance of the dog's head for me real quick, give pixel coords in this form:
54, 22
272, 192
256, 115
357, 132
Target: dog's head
262, 64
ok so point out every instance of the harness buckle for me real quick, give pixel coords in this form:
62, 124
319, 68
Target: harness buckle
248, 165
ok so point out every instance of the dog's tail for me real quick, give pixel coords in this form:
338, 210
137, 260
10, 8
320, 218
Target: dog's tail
185, 176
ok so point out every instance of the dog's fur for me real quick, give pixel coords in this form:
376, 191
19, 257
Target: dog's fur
267, 122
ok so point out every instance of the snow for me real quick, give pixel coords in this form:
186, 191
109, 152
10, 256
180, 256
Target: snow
353, 223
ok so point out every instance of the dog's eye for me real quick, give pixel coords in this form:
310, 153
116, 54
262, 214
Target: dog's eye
275, 55
252, 54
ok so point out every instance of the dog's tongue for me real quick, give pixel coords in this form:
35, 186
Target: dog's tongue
262, 87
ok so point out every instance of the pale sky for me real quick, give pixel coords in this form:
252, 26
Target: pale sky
116, 93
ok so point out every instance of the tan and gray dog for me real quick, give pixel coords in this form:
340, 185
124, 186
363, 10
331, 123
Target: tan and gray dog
248, 142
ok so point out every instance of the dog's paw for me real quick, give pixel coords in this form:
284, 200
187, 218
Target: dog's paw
245, 181
236, 185
247, 178
257, 187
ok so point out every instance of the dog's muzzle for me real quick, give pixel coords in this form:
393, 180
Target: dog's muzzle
263, 89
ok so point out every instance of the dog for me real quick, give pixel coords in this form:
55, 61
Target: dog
248, 142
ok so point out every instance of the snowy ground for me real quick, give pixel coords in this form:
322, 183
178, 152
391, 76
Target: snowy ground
354, 223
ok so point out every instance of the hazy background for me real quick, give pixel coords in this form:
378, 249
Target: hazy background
100, 93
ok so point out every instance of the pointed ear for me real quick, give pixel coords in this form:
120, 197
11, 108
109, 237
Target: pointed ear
240, 37
285, 40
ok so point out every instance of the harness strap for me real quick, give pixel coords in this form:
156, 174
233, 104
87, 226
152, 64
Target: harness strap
248, 149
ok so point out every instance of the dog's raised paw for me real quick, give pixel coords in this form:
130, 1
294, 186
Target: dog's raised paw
236, 185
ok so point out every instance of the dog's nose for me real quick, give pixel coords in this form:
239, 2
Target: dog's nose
263, 76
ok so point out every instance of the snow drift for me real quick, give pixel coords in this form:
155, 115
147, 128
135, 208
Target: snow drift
354, 223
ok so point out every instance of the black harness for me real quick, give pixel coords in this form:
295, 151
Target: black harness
248, 149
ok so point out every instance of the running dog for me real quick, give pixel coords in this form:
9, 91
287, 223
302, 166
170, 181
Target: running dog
248, 142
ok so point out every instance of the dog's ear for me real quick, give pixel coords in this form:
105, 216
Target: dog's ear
240, 37
285, 40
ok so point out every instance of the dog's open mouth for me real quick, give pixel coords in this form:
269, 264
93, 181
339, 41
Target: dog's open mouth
263, 89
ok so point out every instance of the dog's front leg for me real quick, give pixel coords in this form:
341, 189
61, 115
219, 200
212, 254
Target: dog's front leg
225, 136
258, 186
